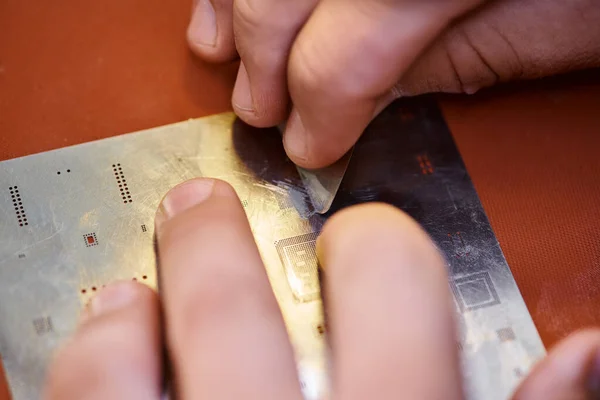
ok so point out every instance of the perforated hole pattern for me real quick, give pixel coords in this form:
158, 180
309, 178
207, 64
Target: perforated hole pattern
123, 188
18, 204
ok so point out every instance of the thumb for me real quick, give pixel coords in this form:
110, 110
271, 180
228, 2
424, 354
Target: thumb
345, 60
508, 40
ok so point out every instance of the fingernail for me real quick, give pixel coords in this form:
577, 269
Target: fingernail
242, 95
203, 26
184, 197
470, 89
113, 298
294, 139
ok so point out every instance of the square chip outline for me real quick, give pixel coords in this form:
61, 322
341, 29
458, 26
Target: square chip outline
482, 278
282, 247
93, 242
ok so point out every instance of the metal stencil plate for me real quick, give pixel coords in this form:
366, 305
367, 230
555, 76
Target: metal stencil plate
75, 219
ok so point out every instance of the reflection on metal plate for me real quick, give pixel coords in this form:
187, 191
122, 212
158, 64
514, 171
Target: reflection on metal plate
299, 259
322, 184
75, 219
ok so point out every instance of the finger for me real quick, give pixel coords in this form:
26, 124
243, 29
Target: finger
210, 32
346, 57
115, 353
389, 308
508, 40
570, 372
265, 30
225, 331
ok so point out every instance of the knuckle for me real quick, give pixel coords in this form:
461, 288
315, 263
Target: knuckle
309, 71
481, 57
270, 16
219, 297
469, 73
314, 67
250, 15
262, 34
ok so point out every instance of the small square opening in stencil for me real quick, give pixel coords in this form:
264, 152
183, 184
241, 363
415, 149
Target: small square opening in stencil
506, 334
42, 325
90, 239
475, 291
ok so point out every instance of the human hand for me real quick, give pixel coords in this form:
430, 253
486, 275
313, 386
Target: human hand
340, 62
225, 336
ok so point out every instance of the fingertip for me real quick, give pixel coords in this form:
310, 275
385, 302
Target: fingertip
241, 99
366, 213
116, 296
270, 106
379, 231
375, 220
571, 370
295, 140
115, 349
307, 151
189, 194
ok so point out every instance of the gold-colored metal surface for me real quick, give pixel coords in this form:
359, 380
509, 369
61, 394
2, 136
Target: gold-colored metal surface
75, 219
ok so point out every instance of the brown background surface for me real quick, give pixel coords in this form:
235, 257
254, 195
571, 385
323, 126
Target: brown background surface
73, 71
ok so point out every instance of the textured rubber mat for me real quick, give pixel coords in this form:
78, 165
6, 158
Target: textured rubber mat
71, 72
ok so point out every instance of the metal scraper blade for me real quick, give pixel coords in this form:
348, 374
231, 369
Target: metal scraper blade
322, 184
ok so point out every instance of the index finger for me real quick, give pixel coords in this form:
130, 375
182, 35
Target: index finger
225, 333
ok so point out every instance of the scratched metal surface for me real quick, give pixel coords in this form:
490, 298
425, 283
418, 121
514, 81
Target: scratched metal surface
87, 219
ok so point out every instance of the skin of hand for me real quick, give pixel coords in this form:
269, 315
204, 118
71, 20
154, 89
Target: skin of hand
225, 337
333, 65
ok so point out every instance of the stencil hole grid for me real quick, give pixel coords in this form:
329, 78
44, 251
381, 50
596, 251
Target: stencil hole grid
299, 259
43, 325
506, 334
90, 239
17, 201
122, 183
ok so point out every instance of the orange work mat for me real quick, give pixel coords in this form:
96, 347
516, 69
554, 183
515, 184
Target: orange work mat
73, 71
